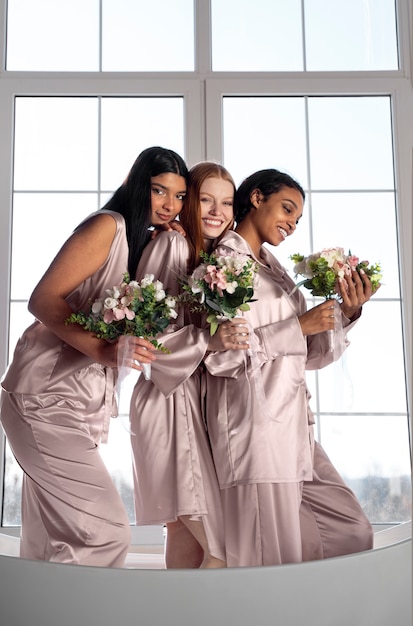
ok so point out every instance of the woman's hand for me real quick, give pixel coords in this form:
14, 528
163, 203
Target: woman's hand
355, 290
318, 319
231, 335
128, 351
168, 226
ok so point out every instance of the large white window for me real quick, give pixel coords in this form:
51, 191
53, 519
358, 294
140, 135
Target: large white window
319, 88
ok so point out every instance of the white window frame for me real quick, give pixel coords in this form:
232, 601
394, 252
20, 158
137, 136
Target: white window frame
203, 91
399, 89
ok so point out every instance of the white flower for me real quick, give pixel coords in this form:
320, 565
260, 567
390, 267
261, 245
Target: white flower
170, 302
147, 280
173, 314
114, 292
159, 291
302, 269
222, 317
231, 287
97, 307
110, 303
333, 255
196, 288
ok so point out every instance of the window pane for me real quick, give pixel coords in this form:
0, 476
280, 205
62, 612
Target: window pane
370, 376
276, 139
131, 124
51, 156
352, 35
265, 35
350, 143
20, 318
56, 144
118, 459
372, 455
53, 35
365, 223
12, 490
148, 36
41, 224
351, 202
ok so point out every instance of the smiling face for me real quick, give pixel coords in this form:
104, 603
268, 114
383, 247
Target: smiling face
167, 195
273, 219
216, 199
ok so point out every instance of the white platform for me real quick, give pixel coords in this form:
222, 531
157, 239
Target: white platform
372, 588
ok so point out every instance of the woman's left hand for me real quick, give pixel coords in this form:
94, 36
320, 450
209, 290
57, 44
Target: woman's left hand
231, 335
355, 290
168, 226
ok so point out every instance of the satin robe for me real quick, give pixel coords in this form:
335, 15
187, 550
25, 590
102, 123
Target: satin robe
260, 423
56, 406
174, 473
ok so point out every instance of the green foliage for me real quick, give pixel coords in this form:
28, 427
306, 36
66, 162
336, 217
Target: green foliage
145, 302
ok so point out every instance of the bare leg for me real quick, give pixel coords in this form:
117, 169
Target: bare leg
182, 550
197, 530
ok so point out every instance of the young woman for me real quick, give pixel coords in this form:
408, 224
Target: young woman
258, 417
175, 480
58, 393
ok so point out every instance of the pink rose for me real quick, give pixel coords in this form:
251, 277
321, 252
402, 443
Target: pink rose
353, 261
215, 279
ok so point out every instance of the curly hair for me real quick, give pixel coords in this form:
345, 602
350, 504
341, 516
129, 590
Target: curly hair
268, 181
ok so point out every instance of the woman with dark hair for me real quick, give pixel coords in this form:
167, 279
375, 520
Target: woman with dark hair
58, 393
174, 477
258, 416
138, 190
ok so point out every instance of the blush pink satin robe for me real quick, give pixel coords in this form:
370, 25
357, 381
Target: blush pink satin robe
174, 473
56, 406
261, 430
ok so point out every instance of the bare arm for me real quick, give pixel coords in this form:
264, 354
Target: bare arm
79, 258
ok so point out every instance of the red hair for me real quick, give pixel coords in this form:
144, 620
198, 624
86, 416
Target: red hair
190, 216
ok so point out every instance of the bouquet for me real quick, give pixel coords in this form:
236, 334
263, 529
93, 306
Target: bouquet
322, 270
142, 309
221, 286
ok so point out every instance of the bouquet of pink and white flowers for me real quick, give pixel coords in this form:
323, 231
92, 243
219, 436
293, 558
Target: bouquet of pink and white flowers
221, 286
142, 309
322, 270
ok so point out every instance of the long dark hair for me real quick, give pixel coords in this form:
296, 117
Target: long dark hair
190, 216
133, 198
268, 181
